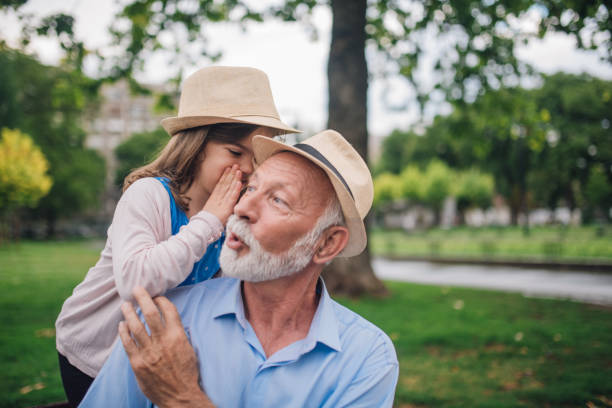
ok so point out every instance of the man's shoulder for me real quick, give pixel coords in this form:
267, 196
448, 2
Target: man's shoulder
358, 335
208, 291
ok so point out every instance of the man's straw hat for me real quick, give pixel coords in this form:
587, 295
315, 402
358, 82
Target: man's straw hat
346, 170
226, 95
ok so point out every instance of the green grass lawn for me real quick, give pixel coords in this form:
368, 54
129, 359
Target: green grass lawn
457, 347
35, 278
543, 243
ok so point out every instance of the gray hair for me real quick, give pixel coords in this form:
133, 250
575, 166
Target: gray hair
332, 216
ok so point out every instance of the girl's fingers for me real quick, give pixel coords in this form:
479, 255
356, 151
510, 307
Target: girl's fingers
235, 188
226, 179
225, 194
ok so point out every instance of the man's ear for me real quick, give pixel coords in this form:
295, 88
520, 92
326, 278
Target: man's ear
332, 242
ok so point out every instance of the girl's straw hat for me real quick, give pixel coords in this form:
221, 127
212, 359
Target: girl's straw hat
226, 95
346, 170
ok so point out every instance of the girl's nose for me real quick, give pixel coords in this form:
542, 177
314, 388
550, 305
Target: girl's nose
246, 166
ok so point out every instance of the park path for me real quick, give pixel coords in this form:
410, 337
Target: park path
579, 286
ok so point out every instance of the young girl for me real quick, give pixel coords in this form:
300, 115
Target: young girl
167, 229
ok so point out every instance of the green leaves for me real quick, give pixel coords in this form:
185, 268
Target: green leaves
48, 103
138, 150
474, 41
23, 171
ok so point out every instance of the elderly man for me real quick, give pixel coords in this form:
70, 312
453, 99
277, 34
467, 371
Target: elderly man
267, 334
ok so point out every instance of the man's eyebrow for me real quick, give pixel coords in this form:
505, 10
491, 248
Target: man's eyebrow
279, 185
288, 188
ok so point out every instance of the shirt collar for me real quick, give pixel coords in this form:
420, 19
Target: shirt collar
230, 302
324, 325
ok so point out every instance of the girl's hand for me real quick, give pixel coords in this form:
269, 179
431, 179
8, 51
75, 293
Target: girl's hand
225, 194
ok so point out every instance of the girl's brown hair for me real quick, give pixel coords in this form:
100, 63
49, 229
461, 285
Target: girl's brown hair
179, 161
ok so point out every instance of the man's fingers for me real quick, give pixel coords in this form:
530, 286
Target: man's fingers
134, 325
148, 309
168, 311
128, 342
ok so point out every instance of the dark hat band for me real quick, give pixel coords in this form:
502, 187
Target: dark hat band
316, 154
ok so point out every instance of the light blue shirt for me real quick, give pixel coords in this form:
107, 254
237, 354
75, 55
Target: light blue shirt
343, 361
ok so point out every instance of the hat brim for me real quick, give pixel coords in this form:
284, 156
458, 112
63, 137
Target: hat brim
176, 124
264, 147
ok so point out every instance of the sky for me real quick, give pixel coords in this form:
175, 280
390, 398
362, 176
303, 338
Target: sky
295, 64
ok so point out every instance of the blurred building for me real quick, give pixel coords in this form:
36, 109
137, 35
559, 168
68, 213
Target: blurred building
120, 115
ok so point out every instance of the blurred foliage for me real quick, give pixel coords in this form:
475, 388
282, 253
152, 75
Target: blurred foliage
598, 191
437, 185
49, 103
431, 186
589, 244
23, 172
411, 184
579, 139
474, 45
386, 189
400, 148
539, 144
473, 189
475, 39
137, 151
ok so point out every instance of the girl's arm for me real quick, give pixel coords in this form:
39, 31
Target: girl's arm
144, 251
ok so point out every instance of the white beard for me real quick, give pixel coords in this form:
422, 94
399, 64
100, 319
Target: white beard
259, 265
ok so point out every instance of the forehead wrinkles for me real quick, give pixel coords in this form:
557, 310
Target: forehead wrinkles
310, 180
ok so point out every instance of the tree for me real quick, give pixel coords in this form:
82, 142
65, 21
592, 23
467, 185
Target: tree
138, 150
437, 185
598, 192
48, 103
475, 52
386, 190
411, 184
23, 174
473, 189
577, 141
401, 149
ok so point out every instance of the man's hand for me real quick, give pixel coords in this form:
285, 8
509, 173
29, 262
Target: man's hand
164, 363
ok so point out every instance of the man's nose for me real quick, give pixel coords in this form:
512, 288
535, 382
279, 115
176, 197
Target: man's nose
246, 207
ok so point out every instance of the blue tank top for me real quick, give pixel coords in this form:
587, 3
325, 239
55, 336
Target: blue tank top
206, 267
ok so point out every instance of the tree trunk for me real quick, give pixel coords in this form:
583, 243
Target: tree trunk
347, 73
525, 210
51, 220
514, 202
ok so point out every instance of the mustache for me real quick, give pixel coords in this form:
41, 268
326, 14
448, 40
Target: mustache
240, 228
